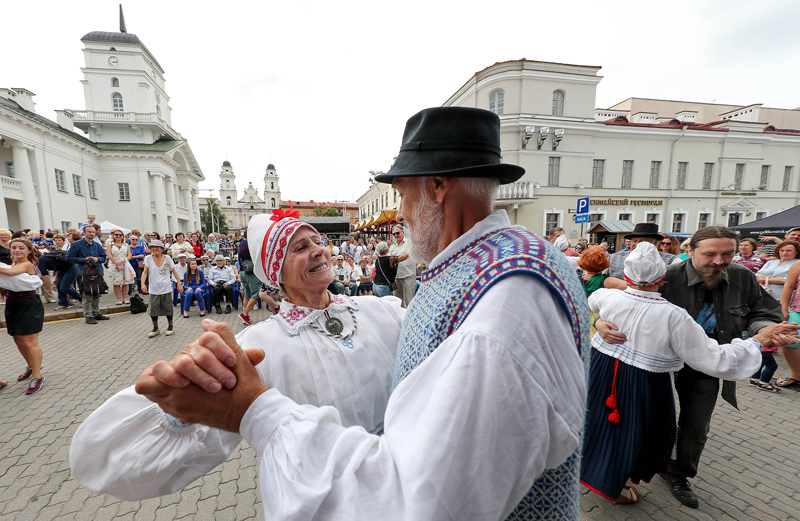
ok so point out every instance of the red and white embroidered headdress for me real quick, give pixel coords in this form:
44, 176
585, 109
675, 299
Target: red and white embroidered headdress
268, 238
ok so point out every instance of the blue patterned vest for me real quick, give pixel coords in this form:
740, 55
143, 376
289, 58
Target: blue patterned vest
446, 296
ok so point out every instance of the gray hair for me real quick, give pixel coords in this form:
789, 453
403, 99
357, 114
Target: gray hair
382, 248
481, 188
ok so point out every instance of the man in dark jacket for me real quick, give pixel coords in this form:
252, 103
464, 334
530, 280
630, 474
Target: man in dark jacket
79, 252
726, 300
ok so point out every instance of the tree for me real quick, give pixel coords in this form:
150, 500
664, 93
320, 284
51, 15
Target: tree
327, 211
219, 222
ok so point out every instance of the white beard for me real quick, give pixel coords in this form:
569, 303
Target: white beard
429, 219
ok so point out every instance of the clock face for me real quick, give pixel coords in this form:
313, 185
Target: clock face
113, 61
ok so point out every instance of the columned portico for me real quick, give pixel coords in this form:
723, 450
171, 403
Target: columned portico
28, 211
172, 205
195, 209
162, 225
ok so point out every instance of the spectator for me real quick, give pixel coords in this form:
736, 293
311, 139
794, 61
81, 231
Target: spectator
66, 274
212, 244
642, 232
79, 252
772, 274
385, 272
157, 270
770, 241
670, 245
197, 245
747, 255
205, 266
25, 314
122, 274
89, 222
406, 268
225, 245
363, 276
137, 260
250, 283
221, 278
194, 285
341, 274
181, 246
181, 267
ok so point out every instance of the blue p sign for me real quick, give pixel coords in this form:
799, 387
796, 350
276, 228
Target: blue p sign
583, 205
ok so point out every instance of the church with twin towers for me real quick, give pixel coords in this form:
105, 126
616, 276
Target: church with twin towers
238, 210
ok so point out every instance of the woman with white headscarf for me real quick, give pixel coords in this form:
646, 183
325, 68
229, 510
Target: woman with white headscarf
630, 420
321, 349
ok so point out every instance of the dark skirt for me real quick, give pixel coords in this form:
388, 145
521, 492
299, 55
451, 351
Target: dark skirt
640, 445
25, 317
160, 305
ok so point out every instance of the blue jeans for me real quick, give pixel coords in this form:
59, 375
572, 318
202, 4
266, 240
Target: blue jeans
769, 364
188, 295
381, 291
66, 285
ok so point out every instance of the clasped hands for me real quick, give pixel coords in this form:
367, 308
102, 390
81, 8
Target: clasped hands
212, 381
782, 334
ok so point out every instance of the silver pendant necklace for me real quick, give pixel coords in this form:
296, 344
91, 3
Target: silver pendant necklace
334, 326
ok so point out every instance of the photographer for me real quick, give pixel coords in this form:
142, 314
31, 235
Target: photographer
221, 278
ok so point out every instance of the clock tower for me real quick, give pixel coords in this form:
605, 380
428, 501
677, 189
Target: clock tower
227, 186
124, 89
272, 188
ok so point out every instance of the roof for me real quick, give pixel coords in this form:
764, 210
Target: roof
612, 226
124, 38
538, 61
15, 107
777, 224
226, 163
312, 204
159, 146
270, 167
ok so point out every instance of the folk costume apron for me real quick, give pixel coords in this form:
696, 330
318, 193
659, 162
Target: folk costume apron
445, 297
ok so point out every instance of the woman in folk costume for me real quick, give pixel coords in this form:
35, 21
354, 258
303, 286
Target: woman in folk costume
321, 349
630, 421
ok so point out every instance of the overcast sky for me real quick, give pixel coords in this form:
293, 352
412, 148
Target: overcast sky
323, 89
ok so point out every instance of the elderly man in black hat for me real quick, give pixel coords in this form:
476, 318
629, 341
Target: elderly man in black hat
488, 392
642, 232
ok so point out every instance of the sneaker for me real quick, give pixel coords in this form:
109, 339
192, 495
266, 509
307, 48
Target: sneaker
169, 332
35, 385
227, 309
27, 374
219, 310
152, 334
52, 301
101, 317
62, 308
245, 318
91, 320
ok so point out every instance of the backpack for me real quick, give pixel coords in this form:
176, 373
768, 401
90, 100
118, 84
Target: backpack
138, 305
93, 283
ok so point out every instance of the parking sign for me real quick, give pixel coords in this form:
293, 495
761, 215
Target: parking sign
583, 205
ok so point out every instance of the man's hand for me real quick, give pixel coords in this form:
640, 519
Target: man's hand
609, 332
782, 334
190, 387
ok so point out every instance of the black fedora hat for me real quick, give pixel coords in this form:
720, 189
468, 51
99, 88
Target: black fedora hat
645, 230
452, 142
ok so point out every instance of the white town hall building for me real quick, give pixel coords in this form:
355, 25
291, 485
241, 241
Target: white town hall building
125, 164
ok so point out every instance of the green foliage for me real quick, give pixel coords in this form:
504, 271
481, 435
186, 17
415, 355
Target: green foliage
327, 211
219, 222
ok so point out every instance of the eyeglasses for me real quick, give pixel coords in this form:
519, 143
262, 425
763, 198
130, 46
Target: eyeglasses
666, 244
118, 235
396, 233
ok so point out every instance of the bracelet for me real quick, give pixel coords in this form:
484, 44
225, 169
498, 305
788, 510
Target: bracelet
594, 324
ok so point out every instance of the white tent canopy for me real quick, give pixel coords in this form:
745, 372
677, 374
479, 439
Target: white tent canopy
107, 226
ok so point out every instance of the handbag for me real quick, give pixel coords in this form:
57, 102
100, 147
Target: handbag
247, 266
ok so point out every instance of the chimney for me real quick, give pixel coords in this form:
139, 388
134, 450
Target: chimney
64, 119
23, 97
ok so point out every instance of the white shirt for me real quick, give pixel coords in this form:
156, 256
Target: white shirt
466, 433
407, 268
220, 274
662, 336
131, 449
159, 278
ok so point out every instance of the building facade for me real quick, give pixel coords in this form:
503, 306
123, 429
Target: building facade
128, 166
306, 208
239, 210
378, 198
681, 165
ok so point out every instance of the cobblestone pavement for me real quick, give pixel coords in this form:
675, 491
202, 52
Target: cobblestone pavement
750, 469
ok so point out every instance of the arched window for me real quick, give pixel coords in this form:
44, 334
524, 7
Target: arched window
271, 185
272, 202
116, 102
227, 183
558, 103
114, 82
496, 101
228, 200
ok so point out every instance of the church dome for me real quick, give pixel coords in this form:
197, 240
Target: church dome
270, 167
226, 163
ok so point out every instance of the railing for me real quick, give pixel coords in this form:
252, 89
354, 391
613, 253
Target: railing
10, 184
518, 190
97, 115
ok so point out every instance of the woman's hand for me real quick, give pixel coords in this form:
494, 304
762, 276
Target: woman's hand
609, 332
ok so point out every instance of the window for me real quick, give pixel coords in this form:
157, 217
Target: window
682, 169
765, 169
787, 178
651, 218
703, 220
734, 219
551, 221
655, 174
227, 183
598, 167
708, 174
92, 188
10, 169
395, 195
738, 178
124, 192
594, 217
272, 202
627, 173
61, 183
558, 103
760, 215
272, 185
114, 82
625, 217
116, 102
306, 213
677, 222
228, 200
496, 101
553, 170
65, 226
77, 185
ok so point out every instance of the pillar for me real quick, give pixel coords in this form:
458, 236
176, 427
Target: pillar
172, 218
28, 211
162, 224
195, 209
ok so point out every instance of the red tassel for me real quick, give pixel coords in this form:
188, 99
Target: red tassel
611, 403
614, 417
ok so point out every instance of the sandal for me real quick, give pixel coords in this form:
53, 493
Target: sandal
787, 382
3, 383
767, 387
126, 301
631, 498
119, 303
754, 382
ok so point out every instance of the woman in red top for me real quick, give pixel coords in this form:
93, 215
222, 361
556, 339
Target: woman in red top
197, 245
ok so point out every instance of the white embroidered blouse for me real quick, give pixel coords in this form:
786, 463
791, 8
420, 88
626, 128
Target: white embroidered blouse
131, 449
